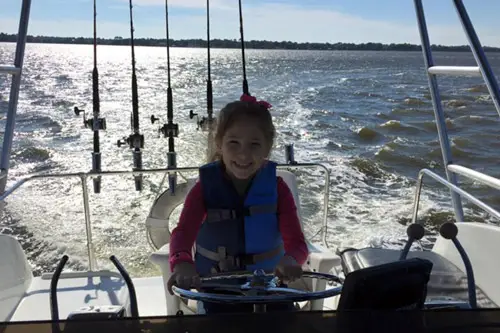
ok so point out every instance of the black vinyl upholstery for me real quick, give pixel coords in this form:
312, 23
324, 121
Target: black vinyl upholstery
395, 285
446, 279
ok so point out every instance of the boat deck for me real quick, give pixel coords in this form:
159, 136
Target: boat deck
75, 293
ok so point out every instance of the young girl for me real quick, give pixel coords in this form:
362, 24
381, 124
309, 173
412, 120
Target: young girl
241, 215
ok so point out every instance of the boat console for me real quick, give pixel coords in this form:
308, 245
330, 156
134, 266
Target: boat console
376, 279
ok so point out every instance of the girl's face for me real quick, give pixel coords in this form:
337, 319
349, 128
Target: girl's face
243, 148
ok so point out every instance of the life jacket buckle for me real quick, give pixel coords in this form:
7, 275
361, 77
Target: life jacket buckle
226, 262
237, 262
242, 261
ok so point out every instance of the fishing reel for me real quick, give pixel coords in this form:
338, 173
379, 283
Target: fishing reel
89, 123
202, 123
95, 126
168, 129
171, 131
134, 140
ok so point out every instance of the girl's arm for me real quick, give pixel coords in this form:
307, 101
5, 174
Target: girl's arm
184, 235
291, 231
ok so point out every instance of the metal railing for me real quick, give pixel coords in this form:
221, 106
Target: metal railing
488, 180
16, 72
84, 176
470, 174
475, 175
482, 69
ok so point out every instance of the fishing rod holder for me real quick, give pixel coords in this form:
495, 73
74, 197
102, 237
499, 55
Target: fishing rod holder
290, 154
135, 141
100, 124
96, 167
137, 156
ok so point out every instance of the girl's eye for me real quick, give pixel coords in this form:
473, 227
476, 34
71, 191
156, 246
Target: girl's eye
256, 144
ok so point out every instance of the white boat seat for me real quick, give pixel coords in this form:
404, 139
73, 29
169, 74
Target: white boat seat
446, 278
15, 277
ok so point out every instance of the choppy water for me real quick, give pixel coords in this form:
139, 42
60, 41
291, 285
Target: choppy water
367, 116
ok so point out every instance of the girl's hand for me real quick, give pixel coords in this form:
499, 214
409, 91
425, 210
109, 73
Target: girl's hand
184, 276
288, 269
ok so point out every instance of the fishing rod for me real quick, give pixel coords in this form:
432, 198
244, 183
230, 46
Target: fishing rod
206, 123
134, 140
169, 130
95, 123
245, 82
210, 107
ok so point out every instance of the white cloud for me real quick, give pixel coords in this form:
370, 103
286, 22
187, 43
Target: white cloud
262, 22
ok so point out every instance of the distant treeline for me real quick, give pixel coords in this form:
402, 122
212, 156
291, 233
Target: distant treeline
233, 44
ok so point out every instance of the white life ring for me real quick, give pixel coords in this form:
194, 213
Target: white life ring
158, 220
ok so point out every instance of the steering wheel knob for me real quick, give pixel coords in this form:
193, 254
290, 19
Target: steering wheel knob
415, 231
448, 230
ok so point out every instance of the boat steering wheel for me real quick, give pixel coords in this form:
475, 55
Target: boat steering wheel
256, 288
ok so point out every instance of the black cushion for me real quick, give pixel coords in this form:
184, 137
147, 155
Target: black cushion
446, 279
396, 285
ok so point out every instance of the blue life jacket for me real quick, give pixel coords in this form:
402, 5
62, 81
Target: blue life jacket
238, 233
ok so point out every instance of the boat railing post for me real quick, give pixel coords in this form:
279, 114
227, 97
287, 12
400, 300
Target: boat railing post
438, 109
324, 229
14, 92
479, 55
290, 154
88, 226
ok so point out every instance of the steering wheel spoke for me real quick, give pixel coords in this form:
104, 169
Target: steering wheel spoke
286, 291
219, 287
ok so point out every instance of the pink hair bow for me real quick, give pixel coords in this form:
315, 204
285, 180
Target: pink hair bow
252, 99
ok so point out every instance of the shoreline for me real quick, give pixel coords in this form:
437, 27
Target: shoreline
236, 44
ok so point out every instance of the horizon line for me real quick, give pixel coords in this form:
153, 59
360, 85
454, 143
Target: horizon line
225, 40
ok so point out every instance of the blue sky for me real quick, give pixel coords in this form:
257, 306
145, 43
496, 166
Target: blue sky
356, 21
